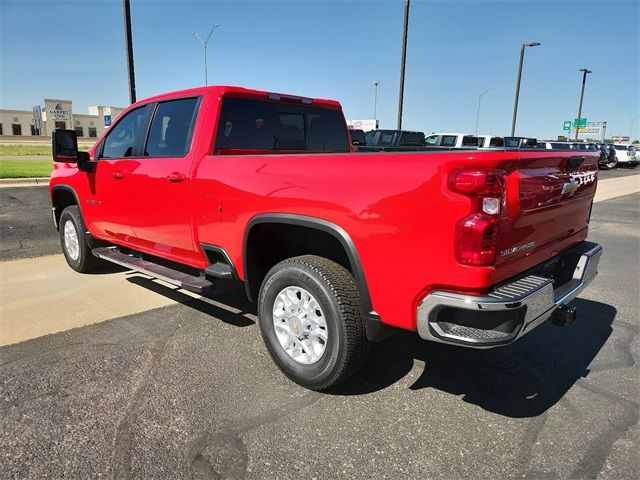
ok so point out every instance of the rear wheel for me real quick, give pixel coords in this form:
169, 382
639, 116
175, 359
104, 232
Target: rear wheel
73, 238
311, 321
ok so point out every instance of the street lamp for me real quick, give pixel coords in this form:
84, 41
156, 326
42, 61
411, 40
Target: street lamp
584, 80
204, 45
479, 99
515, 105
375, 99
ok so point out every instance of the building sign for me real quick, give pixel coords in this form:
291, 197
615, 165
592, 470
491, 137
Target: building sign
59, 113
620, 139
365, 125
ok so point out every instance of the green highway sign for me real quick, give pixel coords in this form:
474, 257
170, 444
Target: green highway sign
566, 125
583, 123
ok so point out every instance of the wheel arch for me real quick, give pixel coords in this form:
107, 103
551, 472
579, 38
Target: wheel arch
63, 196
311, 223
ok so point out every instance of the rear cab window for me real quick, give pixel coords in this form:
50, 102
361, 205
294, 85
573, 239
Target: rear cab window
248, 124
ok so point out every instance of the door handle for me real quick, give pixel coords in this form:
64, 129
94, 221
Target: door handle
118, 174
176, 177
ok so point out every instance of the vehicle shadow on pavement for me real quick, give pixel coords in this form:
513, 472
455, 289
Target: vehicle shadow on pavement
238, 308
523, 379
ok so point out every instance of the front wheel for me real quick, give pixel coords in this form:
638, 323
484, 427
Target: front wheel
610, 164
73, 238
311, 321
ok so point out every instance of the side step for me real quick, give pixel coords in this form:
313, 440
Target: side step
219, 270
169, 275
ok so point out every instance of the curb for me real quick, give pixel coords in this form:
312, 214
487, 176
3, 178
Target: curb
24, 182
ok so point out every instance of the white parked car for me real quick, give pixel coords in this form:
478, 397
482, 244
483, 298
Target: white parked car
627, 155
489, 141
452, 140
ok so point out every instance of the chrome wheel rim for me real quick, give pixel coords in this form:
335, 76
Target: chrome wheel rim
71, 242
300, 325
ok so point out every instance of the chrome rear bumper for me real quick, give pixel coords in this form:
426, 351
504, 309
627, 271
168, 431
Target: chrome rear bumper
511, 310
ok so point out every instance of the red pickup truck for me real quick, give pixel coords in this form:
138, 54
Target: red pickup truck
472, 248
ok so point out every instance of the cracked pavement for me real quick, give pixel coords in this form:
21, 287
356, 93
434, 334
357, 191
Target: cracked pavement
189, 391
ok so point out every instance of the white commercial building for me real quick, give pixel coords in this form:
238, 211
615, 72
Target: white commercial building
56, 113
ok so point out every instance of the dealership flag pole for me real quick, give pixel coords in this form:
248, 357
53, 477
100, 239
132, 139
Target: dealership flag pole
129, 46
404, 61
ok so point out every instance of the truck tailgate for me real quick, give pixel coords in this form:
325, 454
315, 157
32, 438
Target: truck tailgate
548, 205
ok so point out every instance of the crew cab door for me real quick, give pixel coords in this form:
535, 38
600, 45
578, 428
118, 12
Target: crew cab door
160, 183
106, 208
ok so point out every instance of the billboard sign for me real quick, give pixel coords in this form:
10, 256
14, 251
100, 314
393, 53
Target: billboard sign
619, 139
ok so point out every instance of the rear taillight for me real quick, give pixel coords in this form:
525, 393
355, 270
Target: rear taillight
477, 233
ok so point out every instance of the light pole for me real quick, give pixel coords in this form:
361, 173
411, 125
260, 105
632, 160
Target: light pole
584, 80
631, 128
515, 105
129, 47
403, 61
204, 45
479, 99
375, 99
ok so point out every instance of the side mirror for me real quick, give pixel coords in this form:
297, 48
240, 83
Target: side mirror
64, 145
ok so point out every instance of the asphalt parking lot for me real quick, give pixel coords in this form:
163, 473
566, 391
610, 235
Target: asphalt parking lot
188, 390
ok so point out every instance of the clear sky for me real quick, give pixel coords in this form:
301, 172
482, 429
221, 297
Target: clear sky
456, 49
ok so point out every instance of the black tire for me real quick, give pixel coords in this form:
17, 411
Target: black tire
335, 290
85, 261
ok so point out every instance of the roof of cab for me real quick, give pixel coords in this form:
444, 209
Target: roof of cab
222, 90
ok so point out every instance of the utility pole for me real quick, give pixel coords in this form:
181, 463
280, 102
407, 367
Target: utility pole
515, 104
375, 99
479, 99
584, 80
129, 46
204, 45
403, 61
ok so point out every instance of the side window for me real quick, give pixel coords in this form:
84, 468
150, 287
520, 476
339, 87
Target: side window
120, 141
496, 142
386, 139
431, 140
469, 141
448, 141
370, 137
172, 128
